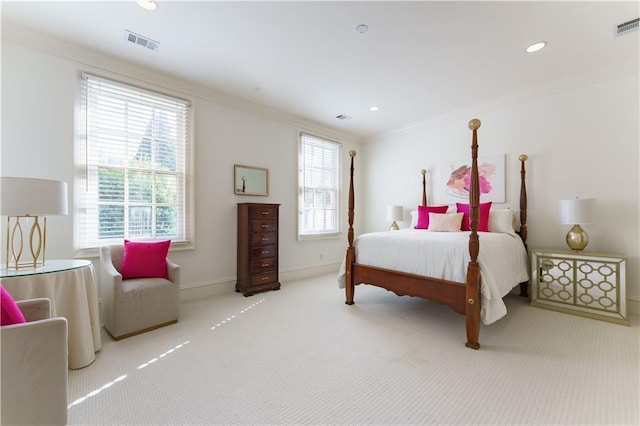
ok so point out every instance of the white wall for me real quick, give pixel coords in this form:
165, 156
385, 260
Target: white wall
38, 100
581, 137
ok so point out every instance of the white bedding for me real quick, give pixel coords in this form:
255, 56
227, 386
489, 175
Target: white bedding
502, 258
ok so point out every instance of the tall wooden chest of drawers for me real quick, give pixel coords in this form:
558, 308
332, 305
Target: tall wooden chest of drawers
257, 248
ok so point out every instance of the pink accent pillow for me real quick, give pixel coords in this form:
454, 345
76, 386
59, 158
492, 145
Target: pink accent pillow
483, 216
9, 311
423, 215
144, 259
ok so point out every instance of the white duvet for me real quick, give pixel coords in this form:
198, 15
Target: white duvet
502, 258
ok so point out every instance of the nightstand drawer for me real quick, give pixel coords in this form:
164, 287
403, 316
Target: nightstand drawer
263, 252
586, 284
267, 278
260, 239
263, 212
263, 265
264, 226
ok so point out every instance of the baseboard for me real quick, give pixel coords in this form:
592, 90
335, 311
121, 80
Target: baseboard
227, 285
197, 291
633, 305
310, 271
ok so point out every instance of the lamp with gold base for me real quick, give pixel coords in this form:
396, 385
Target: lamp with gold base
395, 214
26, 202
576, 212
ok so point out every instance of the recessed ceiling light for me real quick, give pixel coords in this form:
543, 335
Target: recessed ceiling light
147, 4
374, 108
536, 46
362, 28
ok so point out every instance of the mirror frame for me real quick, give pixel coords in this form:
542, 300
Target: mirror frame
260, 175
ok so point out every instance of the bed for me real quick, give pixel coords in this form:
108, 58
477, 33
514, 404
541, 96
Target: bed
445, 267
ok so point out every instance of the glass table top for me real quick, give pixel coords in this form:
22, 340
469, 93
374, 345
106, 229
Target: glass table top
54, 265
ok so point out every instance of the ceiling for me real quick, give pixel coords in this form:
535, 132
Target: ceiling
417, 60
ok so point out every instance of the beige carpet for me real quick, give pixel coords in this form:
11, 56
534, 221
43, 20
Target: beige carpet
301, 356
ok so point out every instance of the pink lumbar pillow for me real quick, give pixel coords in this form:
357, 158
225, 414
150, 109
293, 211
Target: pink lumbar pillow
10, 313
483, 216
145, 259
423, 215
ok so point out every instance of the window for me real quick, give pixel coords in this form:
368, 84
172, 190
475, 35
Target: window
133, 158
319, 184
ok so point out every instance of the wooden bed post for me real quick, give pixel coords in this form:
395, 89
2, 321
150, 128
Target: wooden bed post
523, 201
349, 285
472, 315
524, 287
424, 187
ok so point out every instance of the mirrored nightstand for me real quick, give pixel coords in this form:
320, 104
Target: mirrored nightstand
587, 284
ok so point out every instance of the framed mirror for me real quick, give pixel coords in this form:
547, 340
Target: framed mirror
250, 180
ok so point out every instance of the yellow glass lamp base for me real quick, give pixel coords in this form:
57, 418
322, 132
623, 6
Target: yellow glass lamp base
577, 239
394, 226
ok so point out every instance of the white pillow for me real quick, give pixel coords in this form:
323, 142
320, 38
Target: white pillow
502, 220
445, 222
414, 219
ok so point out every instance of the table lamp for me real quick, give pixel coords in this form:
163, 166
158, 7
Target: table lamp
576, 212
394, 214
24, 201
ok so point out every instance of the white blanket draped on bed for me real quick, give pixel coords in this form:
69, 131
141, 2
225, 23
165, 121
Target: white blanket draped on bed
503, 260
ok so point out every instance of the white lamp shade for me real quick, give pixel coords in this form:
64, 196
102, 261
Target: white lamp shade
395, 213
577, 211
36, 197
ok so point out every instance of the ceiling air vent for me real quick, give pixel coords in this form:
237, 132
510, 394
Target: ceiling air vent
627, 27
141, 40
343, 117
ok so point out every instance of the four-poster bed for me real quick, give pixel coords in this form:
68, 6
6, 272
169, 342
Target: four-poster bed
461, 290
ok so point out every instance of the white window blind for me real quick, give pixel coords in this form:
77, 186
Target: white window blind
133, 157
319, 185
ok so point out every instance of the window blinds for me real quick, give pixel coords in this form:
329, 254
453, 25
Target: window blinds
134, 164
319, 184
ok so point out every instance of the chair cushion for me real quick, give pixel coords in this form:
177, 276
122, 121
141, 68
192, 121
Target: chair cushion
10, 313
144, 259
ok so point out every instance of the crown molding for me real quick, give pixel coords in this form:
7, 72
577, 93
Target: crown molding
614, 71
146, 76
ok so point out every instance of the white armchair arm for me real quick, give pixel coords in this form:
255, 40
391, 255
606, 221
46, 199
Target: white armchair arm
35, 309
173, 272
34, 367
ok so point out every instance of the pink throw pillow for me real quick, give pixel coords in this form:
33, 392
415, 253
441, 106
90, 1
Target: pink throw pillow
144, 259
483, 216
423, 215
10, 313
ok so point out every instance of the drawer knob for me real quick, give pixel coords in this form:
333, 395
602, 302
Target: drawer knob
264, 265
265, 251
264, 278
265, 212
265, 226
265, 239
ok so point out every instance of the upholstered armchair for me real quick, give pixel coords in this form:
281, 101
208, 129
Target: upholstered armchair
133, 305
34, 367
